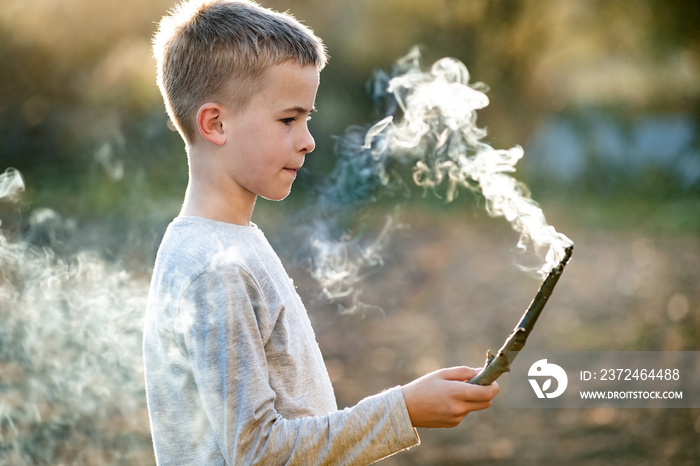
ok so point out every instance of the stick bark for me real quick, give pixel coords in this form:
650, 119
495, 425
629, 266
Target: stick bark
496, 365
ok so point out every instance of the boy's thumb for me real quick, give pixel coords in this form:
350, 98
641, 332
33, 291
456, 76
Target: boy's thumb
459, 373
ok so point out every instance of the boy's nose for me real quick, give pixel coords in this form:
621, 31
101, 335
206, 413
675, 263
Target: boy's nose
307, 143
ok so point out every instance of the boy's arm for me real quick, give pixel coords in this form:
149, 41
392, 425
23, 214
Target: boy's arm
226, 347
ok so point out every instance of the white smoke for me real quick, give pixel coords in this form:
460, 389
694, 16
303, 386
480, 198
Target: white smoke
11, 184
434, 131
71, 384
340, 265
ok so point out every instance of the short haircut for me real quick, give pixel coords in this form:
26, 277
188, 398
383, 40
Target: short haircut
219, 50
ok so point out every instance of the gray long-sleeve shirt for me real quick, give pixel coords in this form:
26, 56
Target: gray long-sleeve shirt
233, 371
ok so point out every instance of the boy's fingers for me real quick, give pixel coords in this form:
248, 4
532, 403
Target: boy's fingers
480, 393
479, 406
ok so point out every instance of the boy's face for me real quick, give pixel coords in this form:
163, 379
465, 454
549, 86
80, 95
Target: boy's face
269, 139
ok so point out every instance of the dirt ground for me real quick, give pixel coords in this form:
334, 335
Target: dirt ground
448, 291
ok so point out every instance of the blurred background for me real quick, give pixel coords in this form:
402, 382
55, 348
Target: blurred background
604, 96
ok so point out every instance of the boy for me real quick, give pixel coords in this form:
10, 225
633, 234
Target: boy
233, 371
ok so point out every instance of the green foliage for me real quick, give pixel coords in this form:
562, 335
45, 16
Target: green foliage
67, 91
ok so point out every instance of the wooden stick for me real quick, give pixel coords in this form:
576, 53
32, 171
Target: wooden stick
498, 364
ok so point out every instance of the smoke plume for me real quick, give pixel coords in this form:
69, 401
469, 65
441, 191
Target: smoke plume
70, 348
431, 128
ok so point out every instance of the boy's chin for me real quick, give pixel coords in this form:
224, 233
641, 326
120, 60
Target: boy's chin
277, 192
276, 197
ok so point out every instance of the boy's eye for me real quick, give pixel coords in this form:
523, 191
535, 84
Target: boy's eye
289, 120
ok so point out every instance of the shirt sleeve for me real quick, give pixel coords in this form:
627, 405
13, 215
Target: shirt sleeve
224, 334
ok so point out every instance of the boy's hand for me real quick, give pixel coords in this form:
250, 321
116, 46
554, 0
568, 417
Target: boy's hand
442, 399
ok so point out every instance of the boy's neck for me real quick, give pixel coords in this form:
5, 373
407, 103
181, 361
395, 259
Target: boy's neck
214, 202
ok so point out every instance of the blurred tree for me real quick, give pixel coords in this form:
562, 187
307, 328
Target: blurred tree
80, 76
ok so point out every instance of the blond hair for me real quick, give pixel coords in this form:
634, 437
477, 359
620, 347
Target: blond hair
218, 50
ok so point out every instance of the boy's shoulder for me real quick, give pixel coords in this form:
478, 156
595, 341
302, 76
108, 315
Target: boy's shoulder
193, 244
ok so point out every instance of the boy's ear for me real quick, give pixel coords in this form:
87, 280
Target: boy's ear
210, 123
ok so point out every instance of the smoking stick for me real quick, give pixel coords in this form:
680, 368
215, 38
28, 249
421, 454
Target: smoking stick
498, 364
